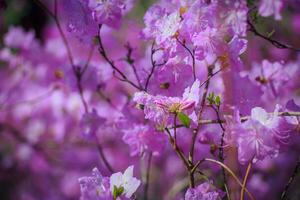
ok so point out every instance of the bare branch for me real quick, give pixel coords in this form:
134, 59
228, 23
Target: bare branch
111, 63
275, 43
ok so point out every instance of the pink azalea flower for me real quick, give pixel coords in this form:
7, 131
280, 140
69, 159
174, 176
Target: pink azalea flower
18, 38
158, 108
107, 12
257, 138
270, 7
236, 19
141, 139
90, 122
204, 191
208, 42
94, 187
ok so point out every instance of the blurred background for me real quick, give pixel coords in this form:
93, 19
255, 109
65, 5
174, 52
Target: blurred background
30, 181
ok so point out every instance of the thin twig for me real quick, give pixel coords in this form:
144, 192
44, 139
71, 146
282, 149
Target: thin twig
209, 77
147, 177
80, 89
291, 179
76, 70
61, 32
192, 54
231, 173
221, 147
153, 65
195, 131
130, 61
88, 60
275, 43
111, 63
245, 118
175, 129
103, 157
245, 180
177, 149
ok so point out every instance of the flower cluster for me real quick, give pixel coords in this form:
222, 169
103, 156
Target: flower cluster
161, 108
203, 191
115, 187
182, 91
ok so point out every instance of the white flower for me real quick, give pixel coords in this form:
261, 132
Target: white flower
192, 93
266, 119
126, 181
168, 26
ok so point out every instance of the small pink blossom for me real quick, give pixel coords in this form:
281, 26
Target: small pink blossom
107, 11
270, 7
141, 139
18, 38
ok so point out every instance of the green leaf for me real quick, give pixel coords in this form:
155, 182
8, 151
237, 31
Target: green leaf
184, 119
218, 100
211, 98
117, 192
270, 34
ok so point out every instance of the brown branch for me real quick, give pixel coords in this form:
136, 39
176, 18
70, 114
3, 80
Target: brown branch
78, 72
195, 131
131, 61
154, 65
111, 63
221, 147
245, 180
192, 54
88, 60
54, 16
211, 76
291, 180
274, 42
103, 157
245, 118
177, 149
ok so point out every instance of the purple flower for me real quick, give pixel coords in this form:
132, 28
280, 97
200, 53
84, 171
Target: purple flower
158, 108
151, 110
273, 77
188, 101
257, 138
18, 38
205, 191
94, 187
89, 123
270, 7
153, 14
236, 47
294, 121
167, 27
236, 18
162, 25
107, 12
255, 142
79, 20
208, 42
141, 139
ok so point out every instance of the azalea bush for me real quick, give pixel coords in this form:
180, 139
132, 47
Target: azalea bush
168, 99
